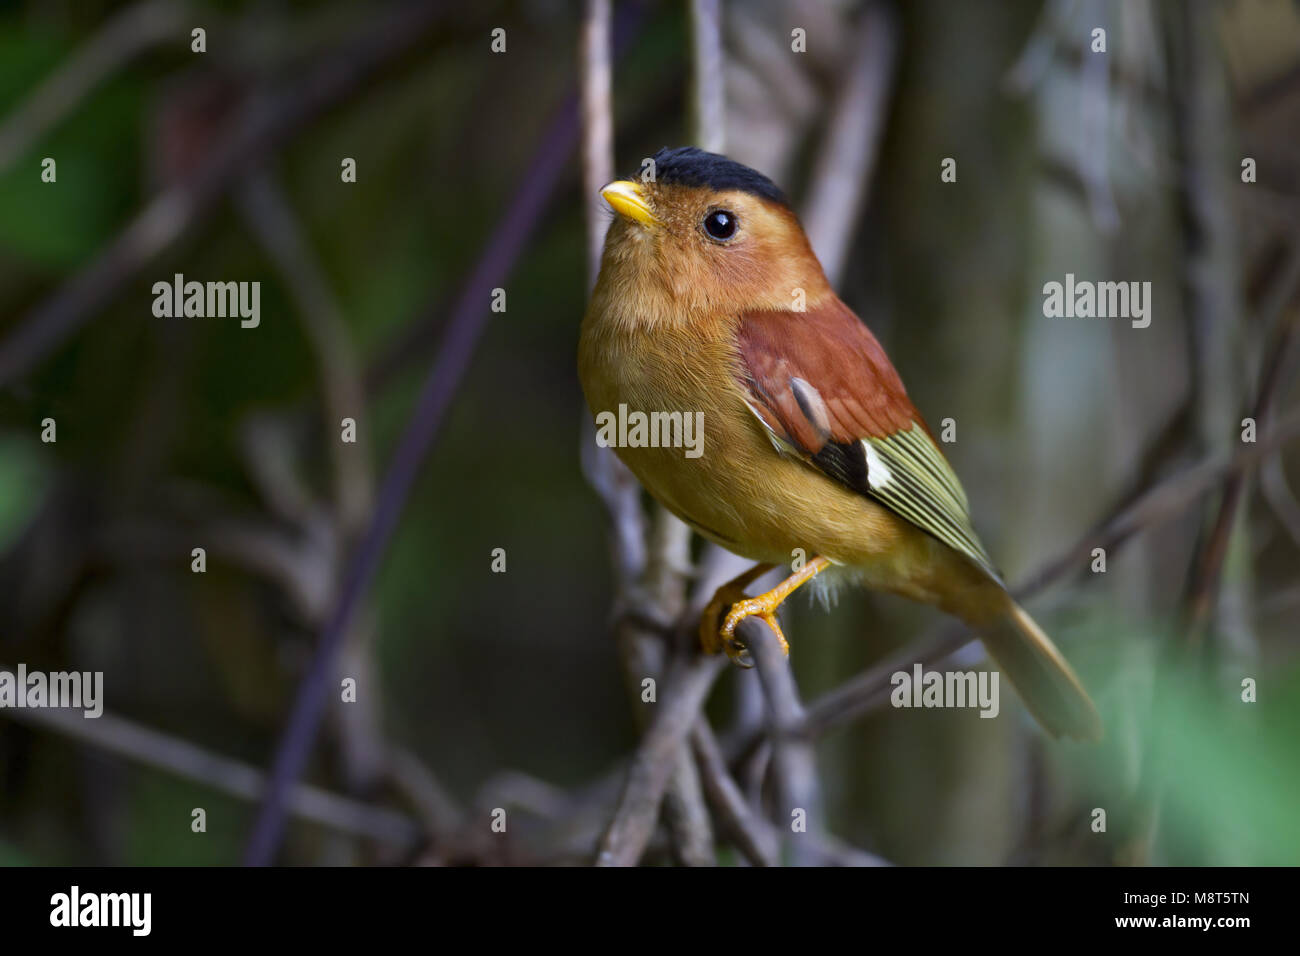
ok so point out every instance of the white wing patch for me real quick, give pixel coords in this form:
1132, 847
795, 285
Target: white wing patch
916, 481
878, 473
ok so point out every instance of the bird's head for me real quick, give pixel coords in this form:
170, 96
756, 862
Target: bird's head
706, 236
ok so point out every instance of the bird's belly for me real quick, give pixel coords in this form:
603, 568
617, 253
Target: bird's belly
733, 486
737, 490
772, 513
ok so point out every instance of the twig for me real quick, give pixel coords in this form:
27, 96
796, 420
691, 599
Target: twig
122, 37
1209, 561
870, 689
793, 759
1160, 504
662, 567
751, 833
1280, 498
267, 211
685, 689
601, 467
621, 494
436, 807
264, 126
469, 318
1199, 111
596, 79
708, 99
153, 748
847, 157
512, 788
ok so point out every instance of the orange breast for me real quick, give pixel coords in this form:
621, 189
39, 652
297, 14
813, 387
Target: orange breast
740, 492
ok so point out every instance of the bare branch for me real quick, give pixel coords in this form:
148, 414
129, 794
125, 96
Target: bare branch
870, 690
265, 125
685, 689
793, 759
846, 161
751, 833
708, 100
153, 748
469, 318
596, 76
1203, 585
1159, 504
267, 211
120, 39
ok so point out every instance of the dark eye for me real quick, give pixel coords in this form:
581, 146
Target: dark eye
720, 224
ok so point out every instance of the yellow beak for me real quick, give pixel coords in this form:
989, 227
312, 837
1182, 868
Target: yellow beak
628, 200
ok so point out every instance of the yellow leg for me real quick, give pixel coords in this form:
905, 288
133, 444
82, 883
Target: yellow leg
732, 594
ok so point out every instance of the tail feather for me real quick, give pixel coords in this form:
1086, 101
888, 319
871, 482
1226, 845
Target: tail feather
1041, 675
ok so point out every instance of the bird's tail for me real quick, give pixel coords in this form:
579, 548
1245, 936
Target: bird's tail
1041, 675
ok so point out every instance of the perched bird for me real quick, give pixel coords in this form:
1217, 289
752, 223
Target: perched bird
710, 300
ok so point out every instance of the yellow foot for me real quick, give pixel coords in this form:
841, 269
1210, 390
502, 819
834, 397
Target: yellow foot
711, 623
761, 607
731, 598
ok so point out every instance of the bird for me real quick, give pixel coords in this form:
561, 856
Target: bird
711, 302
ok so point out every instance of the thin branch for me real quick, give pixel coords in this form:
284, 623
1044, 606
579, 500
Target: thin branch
264, 126
685, 689
269, 214
846, 161
601, 467
469, 318
793, 759
1199, 109
1278, 494
122, 37
411, 778
1283, 324
660, 591
708, 94
1158, 505
621, 494
267, 211
869, 690
751, 833
596, 77
133, 741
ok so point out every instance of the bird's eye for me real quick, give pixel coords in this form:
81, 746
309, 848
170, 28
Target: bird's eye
720, 224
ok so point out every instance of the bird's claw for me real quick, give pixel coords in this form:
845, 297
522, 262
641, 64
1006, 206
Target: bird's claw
738, 607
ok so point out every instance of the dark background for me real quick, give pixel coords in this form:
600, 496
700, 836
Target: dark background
482, 689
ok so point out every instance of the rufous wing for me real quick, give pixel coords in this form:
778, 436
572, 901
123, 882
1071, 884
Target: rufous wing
825, 390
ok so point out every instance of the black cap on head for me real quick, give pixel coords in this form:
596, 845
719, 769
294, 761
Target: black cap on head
692, 166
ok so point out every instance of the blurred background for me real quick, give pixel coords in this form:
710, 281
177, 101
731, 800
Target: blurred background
479, 689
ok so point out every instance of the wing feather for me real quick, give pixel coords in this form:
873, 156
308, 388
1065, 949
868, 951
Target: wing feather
825, 391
